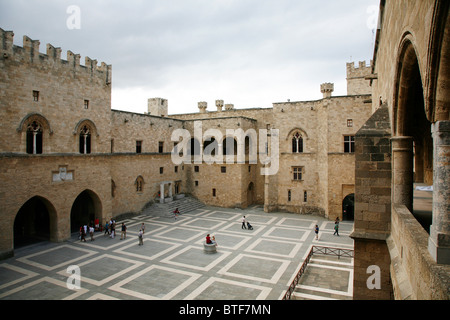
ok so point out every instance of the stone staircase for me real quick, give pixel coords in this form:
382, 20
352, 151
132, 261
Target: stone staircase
184, 205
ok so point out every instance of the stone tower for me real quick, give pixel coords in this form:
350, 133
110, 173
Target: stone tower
158, 107
327, 89
356, 78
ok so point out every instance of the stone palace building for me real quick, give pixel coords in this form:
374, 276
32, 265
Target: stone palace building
67, 158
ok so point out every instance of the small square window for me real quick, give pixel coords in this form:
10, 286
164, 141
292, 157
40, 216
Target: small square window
196, 183
35, 95
176, 169
305, 196
289, 195
161, 147
196, 168
86, 104
349, 123
213, 192
161, 170
223, 169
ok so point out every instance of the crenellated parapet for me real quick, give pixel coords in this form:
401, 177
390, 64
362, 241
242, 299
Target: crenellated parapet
356, 78
358, 71
29, 54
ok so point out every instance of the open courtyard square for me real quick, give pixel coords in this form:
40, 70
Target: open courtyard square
257, 264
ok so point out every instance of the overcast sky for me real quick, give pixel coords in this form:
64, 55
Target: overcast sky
250, 53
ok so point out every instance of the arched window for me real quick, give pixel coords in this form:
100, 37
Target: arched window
229, 146
297, 143
34, 138
85, 140
139, 184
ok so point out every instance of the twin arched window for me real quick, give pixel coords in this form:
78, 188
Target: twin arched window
297, 143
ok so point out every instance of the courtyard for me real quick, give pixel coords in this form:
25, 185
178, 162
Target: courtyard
257, 264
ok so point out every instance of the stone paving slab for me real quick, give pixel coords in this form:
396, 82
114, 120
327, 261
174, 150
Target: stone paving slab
256, 264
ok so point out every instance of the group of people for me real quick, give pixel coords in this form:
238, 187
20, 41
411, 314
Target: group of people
336, 229
110, 229
84, 231
245, 225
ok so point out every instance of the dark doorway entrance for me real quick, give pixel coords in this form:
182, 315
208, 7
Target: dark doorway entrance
84, 210
32, 223
348, 207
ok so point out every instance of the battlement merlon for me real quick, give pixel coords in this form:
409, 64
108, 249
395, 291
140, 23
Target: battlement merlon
30, 53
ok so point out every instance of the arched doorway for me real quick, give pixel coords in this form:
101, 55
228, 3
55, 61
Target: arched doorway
32, 222
85, 209
348, 208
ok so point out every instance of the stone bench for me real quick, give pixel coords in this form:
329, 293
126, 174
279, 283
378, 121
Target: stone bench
209, 248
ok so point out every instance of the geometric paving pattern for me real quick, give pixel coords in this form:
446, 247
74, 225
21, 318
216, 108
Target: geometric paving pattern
257, 264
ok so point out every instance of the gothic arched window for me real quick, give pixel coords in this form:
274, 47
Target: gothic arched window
34, 138
139, 183
297, 143
85, 140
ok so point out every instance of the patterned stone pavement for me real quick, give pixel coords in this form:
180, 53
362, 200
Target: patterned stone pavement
256, 264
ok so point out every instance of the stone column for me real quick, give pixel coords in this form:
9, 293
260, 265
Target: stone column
439, 240
170, 190
402, 171
161, 191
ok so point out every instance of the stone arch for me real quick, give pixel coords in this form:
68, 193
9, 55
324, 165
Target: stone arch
412, 144
407, 80
85, 132
88, 122
35, 221
297, 129
438, 76
86, 208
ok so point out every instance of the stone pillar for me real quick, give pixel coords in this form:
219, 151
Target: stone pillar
402, 171
439, 240
161, 191
170, 190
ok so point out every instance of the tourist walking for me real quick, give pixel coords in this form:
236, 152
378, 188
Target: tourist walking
316, 230
123, 234
82, 234
141, 237
113, 229
91, 232
243, 223
106, 229
143, 228
336, 227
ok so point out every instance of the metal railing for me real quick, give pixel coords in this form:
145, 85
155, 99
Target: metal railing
339, 252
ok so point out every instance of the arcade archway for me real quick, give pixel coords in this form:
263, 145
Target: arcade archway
33, 222
85, 210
